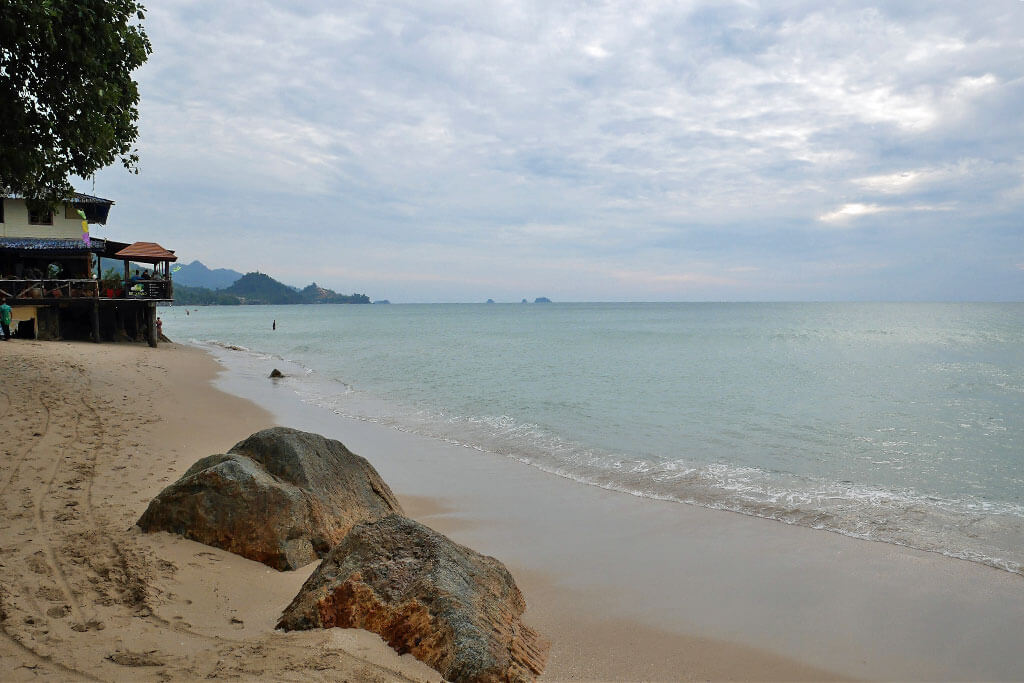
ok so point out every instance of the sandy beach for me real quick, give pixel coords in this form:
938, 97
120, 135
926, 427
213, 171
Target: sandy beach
625, 588
90, 434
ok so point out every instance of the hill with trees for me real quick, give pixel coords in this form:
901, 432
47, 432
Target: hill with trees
201, 296
259, 288
314, 294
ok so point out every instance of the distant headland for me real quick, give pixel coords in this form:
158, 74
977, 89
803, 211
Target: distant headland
195, 284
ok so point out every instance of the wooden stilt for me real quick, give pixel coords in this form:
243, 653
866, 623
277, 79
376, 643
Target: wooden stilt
96, 321
151, 325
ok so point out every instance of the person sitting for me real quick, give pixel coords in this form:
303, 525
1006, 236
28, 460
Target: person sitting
135, 276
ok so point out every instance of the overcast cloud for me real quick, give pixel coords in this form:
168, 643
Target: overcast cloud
445, 151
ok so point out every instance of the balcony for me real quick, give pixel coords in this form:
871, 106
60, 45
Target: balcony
27, 291
48, 291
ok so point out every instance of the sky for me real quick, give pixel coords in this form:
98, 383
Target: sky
423, 151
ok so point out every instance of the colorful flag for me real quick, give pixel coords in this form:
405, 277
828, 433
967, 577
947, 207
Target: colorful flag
85, 227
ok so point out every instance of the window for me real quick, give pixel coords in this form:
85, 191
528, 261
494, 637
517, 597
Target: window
40, 217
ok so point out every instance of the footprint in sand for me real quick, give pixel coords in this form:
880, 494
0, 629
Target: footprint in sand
37, 563
91, 625
136, 658
50, 593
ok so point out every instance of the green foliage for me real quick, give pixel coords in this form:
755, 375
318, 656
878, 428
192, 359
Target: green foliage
258, 288
314, 294
111, 277
68, 103
201, 296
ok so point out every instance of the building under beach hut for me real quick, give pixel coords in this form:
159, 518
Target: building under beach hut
50, 274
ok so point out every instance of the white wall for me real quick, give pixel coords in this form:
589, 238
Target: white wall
15, 223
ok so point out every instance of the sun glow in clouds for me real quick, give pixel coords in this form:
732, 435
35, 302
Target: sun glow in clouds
848, 211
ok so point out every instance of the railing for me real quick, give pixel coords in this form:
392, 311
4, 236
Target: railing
46, 288
49, 289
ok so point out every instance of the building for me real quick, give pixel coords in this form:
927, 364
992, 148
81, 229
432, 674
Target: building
50, 274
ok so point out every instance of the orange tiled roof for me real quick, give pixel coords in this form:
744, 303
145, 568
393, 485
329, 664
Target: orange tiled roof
146, 251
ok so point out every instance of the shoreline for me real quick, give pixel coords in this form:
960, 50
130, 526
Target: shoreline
847, 607
625, 588
921, 482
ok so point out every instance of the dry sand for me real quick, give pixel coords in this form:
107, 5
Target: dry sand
90, 433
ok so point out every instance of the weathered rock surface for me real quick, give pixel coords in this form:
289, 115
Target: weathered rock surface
281, 497
452, 608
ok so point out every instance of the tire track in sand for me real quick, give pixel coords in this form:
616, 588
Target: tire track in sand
23, 455
5, 403
40, 436
44, 496
131, 582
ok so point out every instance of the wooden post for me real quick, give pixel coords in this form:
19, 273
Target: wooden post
151, 324
96, 321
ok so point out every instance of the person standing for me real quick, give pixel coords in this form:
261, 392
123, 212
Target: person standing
5, 319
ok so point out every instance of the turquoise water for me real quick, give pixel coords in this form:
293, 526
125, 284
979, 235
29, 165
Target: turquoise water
896, 422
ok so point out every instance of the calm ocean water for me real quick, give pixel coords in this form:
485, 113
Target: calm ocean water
895, 422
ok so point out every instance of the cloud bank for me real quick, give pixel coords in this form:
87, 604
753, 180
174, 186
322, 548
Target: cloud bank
456, 151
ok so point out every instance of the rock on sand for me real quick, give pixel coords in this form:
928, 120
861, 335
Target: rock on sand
452, 608
281, 497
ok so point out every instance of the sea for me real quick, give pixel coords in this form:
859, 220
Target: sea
894, 422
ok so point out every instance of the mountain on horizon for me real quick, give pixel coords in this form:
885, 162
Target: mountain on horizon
196, 274
257, 288
260, 288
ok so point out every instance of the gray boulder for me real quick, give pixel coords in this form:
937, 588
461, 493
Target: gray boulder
281, 497
454, 609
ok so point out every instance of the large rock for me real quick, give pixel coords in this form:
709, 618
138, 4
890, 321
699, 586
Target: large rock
452, 608
281, 497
